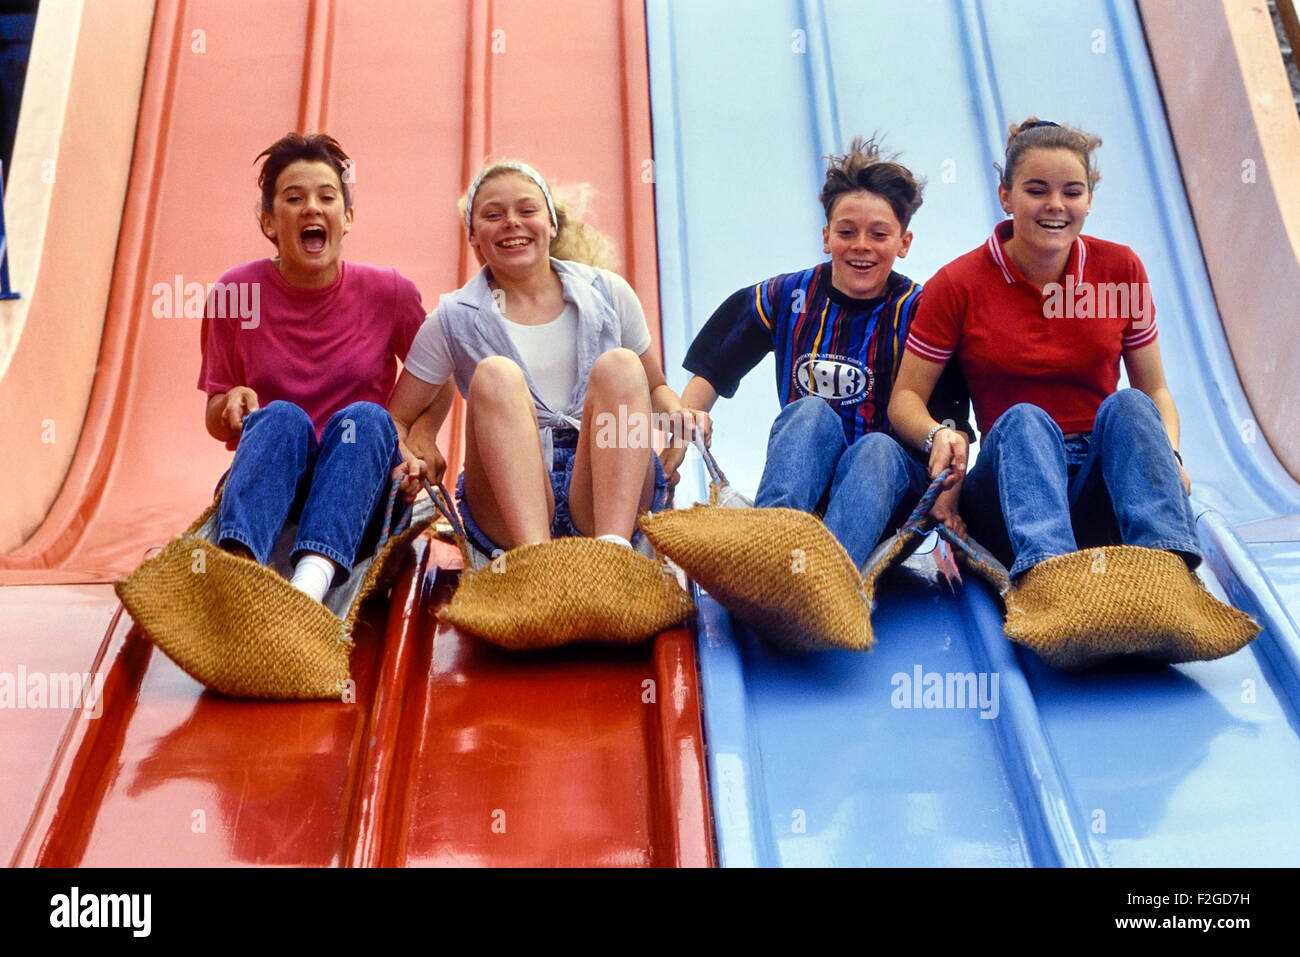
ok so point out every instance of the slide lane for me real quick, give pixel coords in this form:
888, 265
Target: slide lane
600, 761
1192, 764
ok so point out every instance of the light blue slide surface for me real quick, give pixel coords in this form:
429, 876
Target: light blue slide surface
814, 760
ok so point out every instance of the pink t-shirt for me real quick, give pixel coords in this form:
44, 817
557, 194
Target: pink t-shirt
321, 349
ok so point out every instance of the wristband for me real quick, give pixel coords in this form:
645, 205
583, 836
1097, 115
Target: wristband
1178, 457
929, 439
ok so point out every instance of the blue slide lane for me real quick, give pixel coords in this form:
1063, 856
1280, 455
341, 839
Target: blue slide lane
817, 760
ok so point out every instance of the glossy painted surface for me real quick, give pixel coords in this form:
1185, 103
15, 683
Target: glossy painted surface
1195, 764
588, 756
589, 763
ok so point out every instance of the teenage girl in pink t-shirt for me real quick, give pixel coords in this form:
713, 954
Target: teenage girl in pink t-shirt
296, 384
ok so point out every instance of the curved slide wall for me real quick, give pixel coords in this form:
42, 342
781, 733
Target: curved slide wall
816, 760
63, 207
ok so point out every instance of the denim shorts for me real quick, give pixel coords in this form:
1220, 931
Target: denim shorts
566, 451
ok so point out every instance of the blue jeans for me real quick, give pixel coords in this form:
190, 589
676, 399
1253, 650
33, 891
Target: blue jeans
336, 488
1034, 494
811, 465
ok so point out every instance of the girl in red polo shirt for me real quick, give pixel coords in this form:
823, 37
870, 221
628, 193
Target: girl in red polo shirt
1039, 317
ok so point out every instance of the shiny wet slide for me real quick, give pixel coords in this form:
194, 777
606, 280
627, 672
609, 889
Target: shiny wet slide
453, 753
832, 758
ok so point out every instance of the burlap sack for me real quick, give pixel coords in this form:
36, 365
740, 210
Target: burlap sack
239, 627
777, 569
565, 591
1080, 609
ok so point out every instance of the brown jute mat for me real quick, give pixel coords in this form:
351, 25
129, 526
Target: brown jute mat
240, 628
1081, 609
778, 569
568, 590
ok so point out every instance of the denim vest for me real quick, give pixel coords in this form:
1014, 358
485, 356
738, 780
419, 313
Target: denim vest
475, 329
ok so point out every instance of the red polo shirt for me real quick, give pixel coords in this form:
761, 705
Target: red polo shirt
1058, 348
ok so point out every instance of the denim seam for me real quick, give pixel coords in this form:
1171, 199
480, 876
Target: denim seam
238, 536
321, 548
375, 496
1025, 562
1171, 544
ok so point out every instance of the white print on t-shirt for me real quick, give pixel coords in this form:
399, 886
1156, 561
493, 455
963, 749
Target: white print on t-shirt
840, 379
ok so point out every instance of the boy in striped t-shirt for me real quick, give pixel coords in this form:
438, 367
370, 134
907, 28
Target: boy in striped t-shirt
837, 331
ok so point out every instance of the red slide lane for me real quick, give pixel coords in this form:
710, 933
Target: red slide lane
593, 756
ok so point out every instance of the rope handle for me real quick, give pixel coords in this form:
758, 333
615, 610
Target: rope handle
920, 520
403, 523
710, 463
442, 502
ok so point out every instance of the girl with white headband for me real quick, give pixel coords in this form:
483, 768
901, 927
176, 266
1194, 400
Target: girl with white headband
553, 356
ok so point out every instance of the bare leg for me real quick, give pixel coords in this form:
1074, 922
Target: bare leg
613, 475
506, 482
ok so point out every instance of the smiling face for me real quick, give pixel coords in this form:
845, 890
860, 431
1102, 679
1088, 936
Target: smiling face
510, 225
307, 223
863, 237
1049, 199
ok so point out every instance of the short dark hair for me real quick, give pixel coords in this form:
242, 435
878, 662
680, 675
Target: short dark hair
292, 147
864, 168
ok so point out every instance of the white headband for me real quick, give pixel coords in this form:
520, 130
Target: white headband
524, 168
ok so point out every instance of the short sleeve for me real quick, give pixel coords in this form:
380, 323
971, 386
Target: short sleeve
936, 327
429, 359
635, 332
732, 342
1141, 328
217, 373
408, 315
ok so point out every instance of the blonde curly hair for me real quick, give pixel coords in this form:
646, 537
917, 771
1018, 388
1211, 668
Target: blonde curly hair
576, 240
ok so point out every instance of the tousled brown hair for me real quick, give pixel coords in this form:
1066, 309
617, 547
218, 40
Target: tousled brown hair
863, 167
292, 147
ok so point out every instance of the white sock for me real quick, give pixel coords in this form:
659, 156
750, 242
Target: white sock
313, 575
616, 539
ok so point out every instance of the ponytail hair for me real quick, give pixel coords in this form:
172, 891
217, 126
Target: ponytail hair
1036, 134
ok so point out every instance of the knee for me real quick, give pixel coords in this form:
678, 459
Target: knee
285, 418
496, 377
618, 372
1025, 418
811, 411
1130, 408
362, 418
811, 416
878, 460
879, 448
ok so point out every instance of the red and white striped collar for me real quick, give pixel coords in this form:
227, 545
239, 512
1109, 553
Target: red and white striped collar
1003, 231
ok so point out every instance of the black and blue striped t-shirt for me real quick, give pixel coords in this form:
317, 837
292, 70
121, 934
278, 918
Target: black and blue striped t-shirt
827, 344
